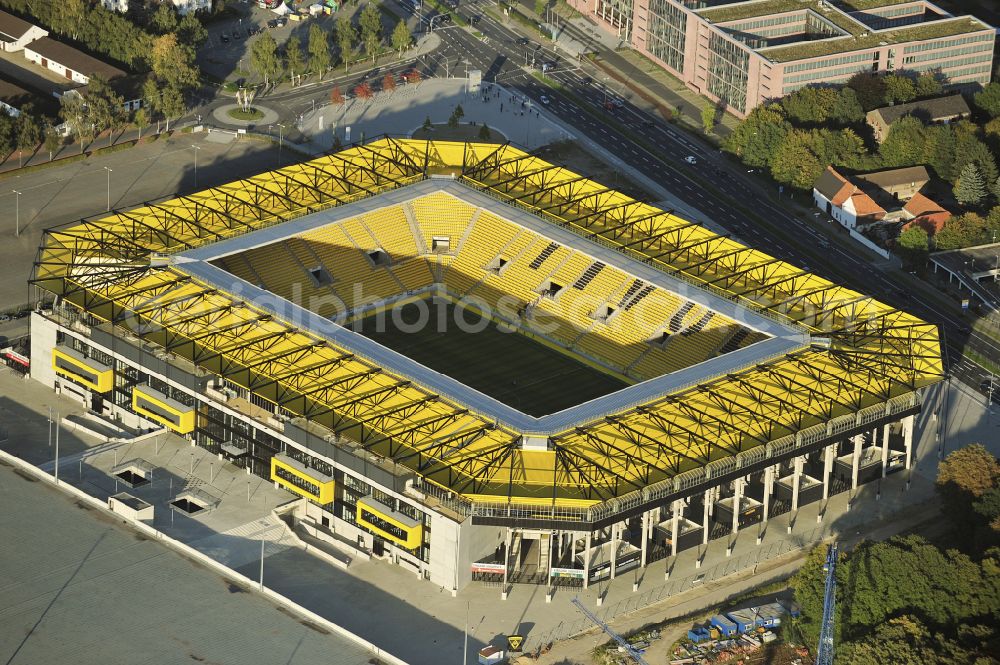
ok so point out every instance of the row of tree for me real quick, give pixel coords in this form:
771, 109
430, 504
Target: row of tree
907, 600
795, 139
98, 29
319, 56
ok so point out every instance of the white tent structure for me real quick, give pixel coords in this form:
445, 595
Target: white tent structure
282, 9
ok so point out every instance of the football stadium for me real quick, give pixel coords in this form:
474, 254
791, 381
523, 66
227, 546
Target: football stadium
479, 365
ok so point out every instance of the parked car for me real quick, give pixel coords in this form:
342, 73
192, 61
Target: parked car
691, 159
543, 99
224, 38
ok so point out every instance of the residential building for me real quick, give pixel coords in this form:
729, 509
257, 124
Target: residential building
925, 213
12, 98
874, 197
16, 33
742, 53
67, 61
940, 110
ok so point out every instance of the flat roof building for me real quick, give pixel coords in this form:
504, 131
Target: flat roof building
744, 53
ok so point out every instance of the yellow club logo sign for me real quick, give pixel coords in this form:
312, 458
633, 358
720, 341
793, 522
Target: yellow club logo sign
514, 642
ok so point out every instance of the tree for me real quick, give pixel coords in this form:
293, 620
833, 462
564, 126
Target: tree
961, 231
899, 89
870, 89
427, 126
970, 190
69, 17
370, 20
809, 105
294, 58
164, 19
969, 149
363, 91
336, 98
708, 119
459, 112
988, 100
757, 138
966, 474
7, 138
846, 109
173, 64
319, 50
105, 106
484, 133
903, 144
141, 120
28, 132
939, 150
347, 35
190, 31
264, 57
796, 163
52, 139
914, 244
401, 37
389, 82
928, 85
73, 112
371, 29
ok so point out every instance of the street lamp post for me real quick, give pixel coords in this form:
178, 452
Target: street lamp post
108, 169
196, 149
281, 128
17, 213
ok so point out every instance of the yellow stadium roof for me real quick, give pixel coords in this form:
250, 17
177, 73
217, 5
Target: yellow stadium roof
867, 359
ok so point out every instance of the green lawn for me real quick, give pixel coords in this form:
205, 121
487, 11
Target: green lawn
509, 367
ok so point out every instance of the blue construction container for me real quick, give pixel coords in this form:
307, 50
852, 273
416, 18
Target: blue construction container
699, 634
746, 619
770, 614
725, 626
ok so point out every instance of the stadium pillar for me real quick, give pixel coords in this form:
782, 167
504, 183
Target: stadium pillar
615, 529
796, 475
678, 508
885, 449
506, 563
737, 502
827, 470
908, 439
586, 561
645, 536
768, 486
858, 440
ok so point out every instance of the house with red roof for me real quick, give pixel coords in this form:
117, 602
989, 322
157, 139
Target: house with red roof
865, 199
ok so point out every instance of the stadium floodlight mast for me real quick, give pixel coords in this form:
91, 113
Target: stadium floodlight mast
17, 213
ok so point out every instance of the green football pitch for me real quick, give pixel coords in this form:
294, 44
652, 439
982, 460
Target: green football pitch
512, 368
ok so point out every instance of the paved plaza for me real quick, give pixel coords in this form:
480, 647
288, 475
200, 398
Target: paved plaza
372, 595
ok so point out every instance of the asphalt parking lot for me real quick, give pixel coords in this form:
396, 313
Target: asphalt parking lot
61, 194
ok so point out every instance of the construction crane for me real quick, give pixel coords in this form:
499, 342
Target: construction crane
634, 653
825, 652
